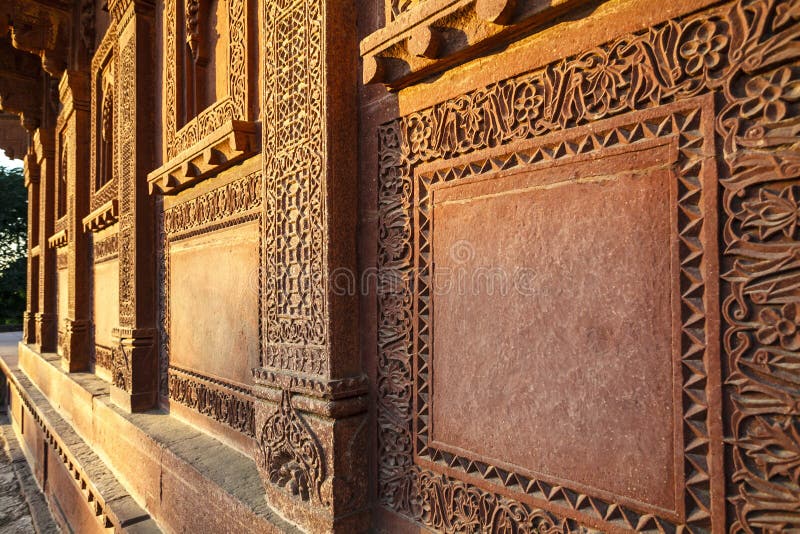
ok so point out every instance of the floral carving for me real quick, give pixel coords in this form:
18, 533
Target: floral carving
773, 213
783, 326
103, 356
219, 204
289, 454
768, 96
222, 402
704, 47
121, 370
106, 249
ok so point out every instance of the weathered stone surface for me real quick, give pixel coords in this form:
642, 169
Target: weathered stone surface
535, 271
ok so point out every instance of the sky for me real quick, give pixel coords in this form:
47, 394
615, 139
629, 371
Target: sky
5, 162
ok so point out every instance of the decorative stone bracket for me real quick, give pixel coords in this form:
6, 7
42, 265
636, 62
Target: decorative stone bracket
311, 441
438, 34
58, 240
102, 217
231, 143
41, 28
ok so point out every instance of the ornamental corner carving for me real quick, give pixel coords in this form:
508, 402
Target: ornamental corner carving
289, 455
121, 369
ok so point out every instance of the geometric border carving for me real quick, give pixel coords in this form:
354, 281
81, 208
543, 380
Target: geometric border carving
684, 126
295, 252
738, 52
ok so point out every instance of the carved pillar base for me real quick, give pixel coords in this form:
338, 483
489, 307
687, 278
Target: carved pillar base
46, 332
76, 346
28, 328
133, 373
311, 447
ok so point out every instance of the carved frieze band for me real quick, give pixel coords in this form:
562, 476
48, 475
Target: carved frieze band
103, 356
746, 53
232, 199
294, 189
106, 249
225, 403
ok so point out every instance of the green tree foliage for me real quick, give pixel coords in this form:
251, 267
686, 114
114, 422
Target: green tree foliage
13, 249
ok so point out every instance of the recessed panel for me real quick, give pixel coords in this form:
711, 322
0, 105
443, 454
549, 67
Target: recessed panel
213, 324
106, 301
553, 328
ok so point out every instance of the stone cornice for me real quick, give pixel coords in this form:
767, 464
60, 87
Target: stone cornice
439, 34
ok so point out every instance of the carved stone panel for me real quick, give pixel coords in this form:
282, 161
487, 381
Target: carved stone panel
553, 296
738, 137
202, 366
103, 180
214, 327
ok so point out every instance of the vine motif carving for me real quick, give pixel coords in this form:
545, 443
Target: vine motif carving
232, 107
294, 249
290, 455
220, 401
103, 356
121, 368
106, 249
745, 53
127, 154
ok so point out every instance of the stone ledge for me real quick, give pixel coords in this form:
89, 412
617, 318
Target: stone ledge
157, 457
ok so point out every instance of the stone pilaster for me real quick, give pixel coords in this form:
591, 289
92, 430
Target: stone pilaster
311, 421
34, 250
134, 363
73, 139
45, 157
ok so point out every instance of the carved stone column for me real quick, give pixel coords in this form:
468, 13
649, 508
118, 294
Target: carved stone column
45, 156
34, 250
311, 422
134, 362
73, 139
